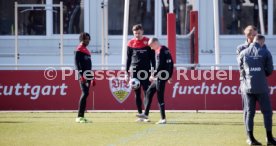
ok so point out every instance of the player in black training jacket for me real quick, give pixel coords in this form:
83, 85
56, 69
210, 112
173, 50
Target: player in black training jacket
140, 57
162, 75
83, 65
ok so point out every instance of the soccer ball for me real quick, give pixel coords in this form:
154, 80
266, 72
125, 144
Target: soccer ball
134, 83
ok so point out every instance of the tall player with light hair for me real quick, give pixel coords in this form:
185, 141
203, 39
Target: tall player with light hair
140, 59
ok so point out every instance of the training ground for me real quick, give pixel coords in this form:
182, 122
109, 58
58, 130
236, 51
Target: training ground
193, 128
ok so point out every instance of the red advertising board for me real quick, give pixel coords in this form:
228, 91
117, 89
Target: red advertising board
192, 90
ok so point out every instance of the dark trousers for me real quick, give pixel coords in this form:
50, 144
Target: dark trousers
138, 98
144, 84
249, 108
159, 87
85, 92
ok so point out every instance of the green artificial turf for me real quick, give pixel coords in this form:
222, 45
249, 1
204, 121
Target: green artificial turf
117, 129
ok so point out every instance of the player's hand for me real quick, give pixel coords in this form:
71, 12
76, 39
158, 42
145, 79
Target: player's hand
93, 83
127, 78
82, 79
152, 78
170, 81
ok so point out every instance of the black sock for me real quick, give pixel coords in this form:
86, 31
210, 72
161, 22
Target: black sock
139, 108
269, 135
146, 112
251, 135
162, 110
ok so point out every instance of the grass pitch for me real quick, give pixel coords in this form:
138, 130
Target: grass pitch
120, 129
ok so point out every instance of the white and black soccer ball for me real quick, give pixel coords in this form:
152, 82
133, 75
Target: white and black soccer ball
134, 83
